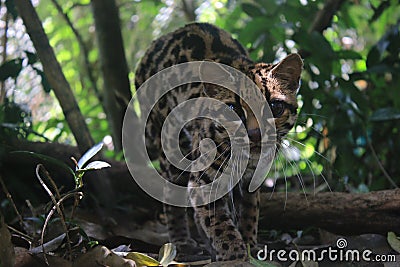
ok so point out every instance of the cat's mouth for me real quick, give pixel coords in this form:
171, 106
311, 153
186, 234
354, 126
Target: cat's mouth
255, 148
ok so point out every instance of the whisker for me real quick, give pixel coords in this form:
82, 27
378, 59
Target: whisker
303, 145
308, 162
196, 148
217, 172
235, 167
199, 178
206, 155
275, 176
304, 124
299, 176
284, 177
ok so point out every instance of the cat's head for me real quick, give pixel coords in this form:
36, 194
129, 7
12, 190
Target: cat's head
278, 83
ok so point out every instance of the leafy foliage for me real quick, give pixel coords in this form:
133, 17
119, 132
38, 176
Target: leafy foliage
348, 126
349, 98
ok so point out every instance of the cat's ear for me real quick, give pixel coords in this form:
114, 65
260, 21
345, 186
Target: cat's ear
214, 75
288, 71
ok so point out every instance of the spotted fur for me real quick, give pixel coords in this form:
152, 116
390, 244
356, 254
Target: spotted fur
229, 223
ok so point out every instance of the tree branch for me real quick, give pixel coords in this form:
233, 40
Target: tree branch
54, 74
323, 19
189, 8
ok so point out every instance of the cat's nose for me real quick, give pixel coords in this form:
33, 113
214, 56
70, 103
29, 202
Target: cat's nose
254, 135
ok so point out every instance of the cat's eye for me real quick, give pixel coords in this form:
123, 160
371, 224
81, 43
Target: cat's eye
277, 108
232, 106
237, 109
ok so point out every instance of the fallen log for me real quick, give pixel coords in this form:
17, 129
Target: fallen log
341, 213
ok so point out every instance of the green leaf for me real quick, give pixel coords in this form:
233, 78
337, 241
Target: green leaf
167, 254
32, 57
252, 10
385, 114
259, 263
269, 6
92, 244
373, 57
348, 54
321, 45
97, 165
379, 69
10, 68
45, 82
88, 155
393, 241
142, 259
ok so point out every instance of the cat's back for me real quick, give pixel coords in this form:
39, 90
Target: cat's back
193, 42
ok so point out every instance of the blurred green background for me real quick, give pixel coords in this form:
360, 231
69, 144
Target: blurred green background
347, 133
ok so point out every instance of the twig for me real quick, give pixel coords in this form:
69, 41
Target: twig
56, 206
9, 197
53, 184
31, 208
53, 209
74, 5
76, 203
27, 237
385, 173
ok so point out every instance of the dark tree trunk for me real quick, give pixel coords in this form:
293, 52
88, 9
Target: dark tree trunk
117, 93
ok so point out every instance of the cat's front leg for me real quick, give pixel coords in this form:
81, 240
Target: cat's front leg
216, 221
249, 213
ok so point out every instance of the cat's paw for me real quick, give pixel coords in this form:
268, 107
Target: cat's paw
190, 251
232, 251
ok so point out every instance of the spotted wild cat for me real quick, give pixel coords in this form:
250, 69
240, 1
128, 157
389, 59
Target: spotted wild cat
227, 227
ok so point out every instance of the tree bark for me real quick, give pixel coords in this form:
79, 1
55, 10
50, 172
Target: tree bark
54, 74
342, 213
117, 93
323, 18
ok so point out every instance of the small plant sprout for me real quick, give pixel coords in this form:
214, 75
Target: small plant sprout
81, 169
